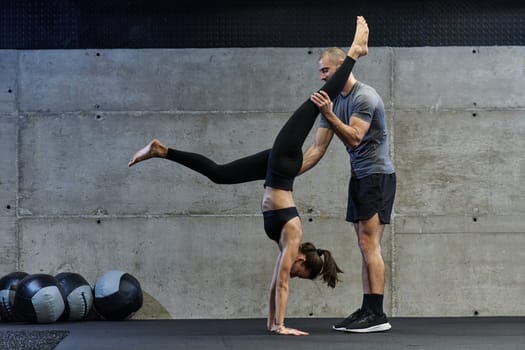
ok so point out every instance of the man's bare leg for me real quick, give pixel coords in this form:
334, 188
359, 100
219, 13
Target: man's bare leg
360, 44
369, 240
154, 149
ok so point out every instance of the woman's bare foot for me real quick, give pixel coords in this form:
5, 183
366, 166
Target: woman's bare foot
154, 149
360, 45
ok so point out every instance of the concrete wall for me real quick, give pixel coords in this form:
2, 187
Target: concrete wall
71, 120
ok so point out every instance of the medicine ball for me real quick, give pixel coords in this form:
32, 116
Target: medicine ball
39, 298
118, 295
78, 294
8, 285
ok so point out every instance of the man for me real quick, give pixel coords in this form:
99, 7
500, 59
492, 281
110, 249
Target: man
357, 117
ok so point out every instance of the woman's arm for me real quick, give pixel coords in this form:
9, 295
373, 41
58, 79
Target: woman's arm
290, 241
271, 306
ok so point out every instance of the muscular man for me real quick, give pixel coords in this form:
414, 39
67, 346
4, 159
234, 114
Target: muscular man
357, 117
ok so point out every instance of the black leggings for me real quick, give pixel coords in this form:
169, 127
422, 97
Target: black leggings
279, 165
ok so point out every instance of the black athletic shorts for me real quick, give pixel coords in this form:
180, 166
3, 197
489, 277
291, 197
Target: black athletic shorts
372, 194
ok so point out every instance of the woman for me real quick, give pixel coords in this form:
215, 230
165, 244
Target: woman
278, 166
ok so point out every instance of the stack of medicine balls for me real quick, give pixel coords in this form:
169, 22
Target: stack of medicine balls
43, 298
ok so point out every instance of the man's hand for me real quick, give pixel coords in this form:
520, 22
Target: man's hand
322, 101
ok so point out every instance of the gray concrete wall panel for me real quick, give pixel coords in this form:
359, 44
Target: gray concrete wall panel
8, 245
459, 274
8, 83
480, 224
8, 165
459, 77
219, 79
460, 162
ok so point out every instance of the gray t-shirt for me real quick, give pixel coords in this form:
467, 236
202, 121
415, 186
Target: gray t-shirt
372, 156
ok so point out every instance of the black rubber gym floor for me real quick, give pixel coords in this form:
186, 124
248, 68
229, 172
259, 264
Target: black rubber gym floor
494, 333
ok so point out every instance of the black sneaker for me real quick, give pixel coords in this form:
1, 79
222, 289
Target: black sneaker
368, 322
341, 326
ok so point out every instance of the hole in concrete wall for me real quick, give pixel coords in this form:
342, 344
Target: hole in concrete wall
474, 115
9, 91
311, 314
99, 221
310, 219
99, 116
476, 312
8, 206
98, 53
97, 106
310, 52
475, 219
474, 104
474, 51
